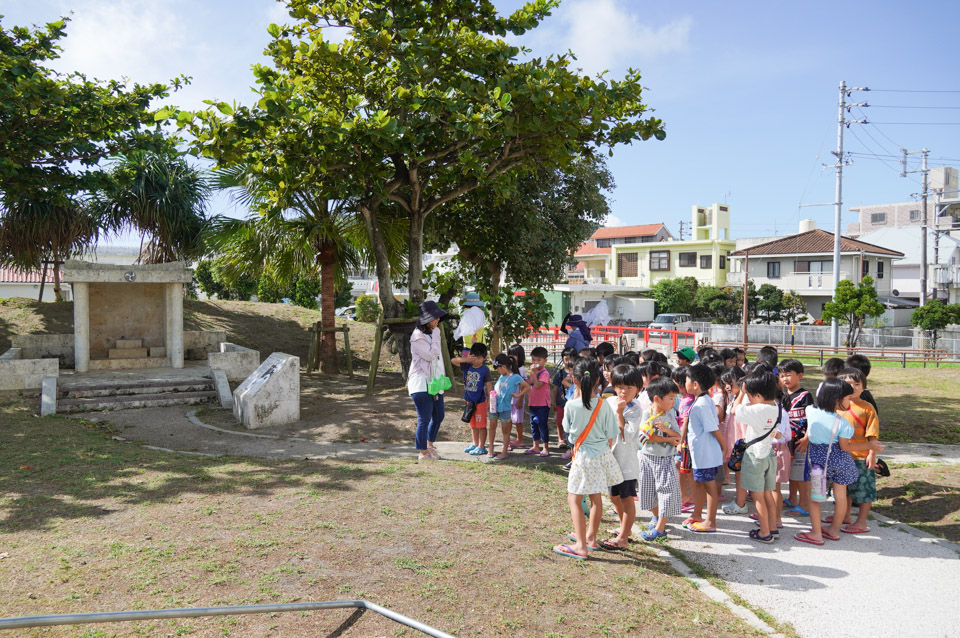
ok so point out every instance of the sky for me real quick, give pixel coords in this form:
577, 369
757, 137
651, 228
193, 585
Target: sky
747, 90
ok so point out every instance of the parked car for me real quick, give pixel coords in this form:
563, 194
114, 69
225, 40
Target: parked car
672, 321
347, 312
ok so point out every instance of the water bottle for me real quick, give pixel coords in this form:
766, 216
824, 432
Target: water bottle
818, 484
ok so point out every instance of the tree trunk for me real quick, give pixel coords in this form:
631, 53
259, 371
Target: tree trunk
495, 337
57, 292
43, 279
415, 258
328, 338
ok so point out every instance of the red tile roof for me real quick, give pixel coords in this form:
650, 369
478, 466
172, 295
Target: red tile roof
626, 231
11, 276
812, 242
589, 249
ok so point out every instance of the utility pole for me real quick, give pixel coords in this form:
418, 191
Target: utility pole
936, 243
681, 230
923, 215
746, 302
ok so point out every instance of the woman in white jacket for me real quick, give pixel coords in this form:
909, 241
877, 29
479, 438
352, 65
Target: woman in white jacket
427, 364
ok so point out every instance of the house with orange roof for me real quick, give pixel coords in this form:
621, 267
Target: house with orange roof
594, 255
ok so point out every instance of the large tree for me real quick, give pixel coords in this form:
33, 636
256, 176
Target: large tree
526, 237
422, 102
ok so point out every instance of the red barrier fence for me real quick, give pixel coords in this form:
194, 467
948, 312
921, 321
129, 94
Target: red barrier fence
623, 338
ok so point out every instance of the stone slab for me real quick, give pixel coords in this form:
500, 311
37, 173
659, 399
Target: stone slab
27, 374
158, 352
236, 361
13, 354
197, 344
127, 353
48, 396
128, 364
129, 343
223, 389
271, 395
169, 273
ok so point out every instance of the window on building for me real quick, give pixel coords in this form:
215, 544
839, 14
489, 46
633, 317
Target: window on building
723, 262
627, 265
706, 261
659, 260
688, 260
878, 218
914, 215
773, 270
879, 269
820, 266
865, 268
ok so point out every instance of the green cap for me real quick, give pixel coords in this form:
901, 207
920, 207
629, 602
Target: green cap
687, 353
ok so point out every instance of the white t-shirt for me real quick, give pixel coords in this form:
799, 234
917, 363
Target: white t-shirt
625, 447
758, 419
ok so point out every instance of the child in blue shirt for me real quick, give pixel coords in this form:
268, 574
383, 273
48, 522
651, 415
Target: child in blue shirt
707, 448
509, 388
476, 387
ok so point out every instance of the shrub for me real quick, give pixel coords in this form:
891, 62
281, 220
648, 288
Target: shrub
368, 308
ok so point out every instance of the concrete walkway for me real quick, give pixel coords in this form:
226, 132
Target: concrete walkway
894, 580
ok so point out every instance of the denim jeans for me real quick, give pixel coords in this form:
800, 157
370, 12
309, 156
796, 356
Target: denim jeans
540, 423
429, 417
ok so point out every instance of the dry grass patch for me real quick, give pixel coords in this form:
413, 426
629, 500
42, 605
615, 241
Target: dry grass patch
96, 524
924, 496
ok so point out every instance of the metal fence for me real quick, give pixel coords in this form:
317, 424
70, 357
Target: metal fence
807, 335
361, 606
622, 337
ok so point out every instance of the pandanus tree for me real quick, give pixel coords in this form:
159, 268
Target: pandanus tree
162, 198
45, 229
304, 235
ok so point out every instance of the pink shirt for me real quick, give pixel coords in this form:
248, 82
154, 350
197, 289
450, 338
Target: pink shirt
541, 397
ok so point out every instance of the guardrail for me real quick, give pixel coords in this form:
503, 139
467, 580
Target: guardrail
24, 622
901, 355
553, 340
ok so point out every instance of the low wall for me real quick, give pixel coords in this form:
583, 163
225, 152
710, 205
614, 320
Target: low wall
25, 374
197, 344
236, 361
45, 347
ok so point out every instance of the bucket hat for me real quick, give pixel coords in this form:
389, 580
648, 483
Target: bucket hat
472, 299
429, 311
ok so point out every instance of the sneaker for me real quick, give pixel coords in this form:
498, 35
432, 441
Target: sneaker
432, 451
469, 449
652, 535
566, 468
733, 508
755, 535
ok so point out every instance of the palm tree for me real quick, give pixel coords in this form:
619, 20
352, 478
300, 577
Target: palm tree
162, 198
306, 236
44, 229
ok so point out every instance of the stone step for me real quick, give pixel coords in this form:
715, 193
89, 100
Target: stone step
128, 401
158, 352
129, 343
145, 386
127, 353
128, 364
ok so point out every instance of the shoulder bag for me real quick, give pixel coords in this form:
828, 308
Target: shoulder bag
735, 462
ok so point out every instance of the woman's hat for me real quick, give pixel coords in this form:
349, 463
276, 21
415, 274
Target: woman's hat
472, 299
429, 311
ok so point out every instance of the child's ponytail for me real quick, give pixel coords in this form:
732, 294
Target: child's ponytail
587, 374
506, 360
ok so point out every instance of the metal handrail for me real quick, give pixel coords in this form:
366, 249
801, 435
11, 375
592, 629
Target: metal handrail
195, 612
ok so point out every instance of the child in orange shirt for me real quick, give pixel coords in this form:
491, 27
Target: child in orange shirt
863, 417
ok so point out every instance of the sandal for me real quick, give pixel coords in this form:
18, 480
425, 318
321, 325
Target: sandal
569, 552
610, 546
545, 453
700, 529
755, 535
805, 537
531, 451
850, 529
690, 521
592, 548
829, 536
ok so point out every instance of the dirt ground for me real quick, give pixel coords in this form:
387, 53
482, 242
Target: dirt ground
924, 496
92, 524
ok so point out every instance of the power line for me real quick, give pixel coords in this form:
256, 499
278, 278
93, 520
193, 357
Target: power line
911, 91
919, 123
889, 106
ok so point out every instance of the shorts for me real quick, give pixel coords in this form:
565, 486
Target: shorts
865, 489
783, 462
798, 467
759, 475
627, 489
659, 485
705, 475
500, 416
479, 420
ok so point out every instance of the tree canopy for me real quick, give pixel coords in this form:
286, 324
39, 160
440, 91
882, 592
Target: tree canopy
852, 305
934, 316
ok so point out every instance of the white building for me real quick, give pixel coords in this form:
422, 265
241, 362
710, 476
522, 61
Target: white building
943, 263
803, 263
942, 180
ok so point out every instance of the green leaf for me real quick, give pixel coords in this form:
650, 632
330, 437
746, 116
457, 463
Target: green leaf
225, 108
274, 30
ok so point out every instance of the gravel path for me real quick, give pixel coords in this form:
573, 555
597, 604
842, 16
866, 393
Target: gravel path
892, 580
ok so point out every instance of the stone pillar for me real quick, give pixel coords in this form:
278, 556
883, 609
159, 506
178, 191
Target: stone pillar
168, 321
81, 326
175, 314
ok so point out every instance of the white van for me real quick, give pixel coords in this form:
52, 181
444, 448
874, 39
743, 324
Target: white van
672, 321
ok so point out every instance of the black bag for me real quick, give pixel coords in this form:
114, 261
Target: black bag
735, 462
468, 411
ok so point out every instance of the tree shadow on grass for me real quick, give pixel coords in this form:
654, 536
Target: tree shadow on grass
920, 419
19, 315
64, 470
923, 504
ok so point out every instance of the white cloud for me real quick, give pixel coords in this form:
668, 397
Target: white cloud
613, 220
609, 35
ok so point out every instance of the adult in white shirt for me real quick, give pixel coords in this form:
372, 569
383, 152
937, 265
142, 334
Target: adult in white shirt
426, 365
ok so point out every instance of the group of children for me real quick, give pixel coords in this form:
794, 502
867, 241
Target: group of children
659, 439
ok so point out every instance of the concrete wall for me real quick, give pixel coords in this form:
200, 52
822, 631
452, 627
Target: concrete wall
25, 374
46, 346
124, 311
236, 361
31, 291
197, 344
